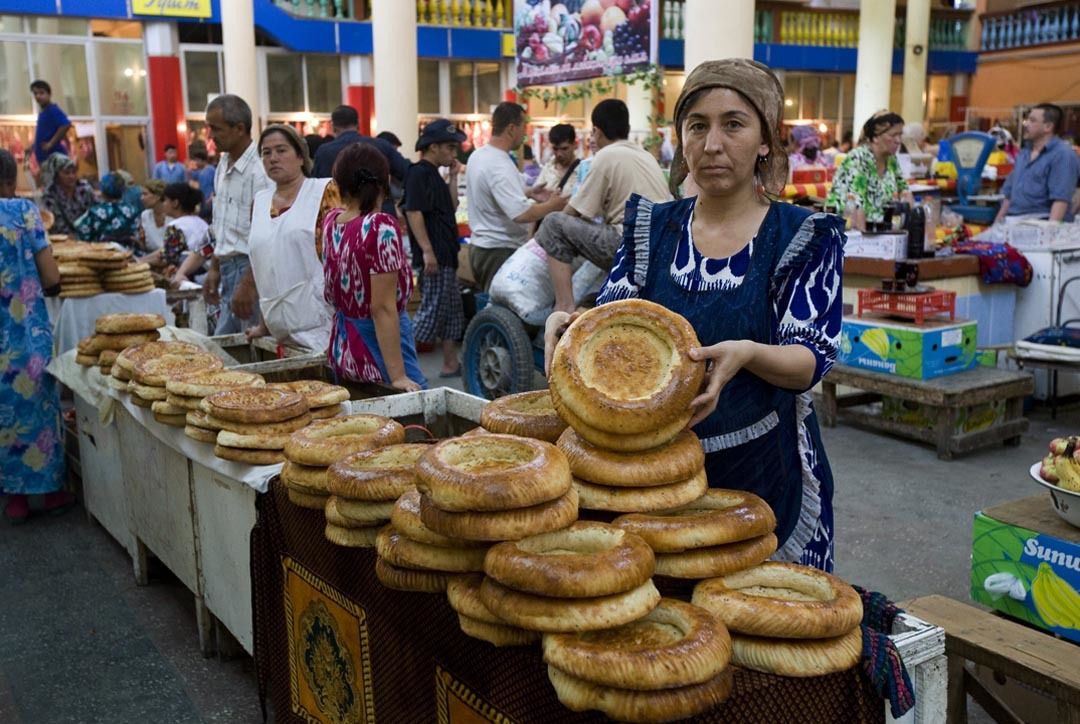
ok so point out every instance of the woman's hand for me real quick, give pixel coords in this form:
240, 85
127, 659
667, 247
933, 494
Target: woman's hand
405, 385
556, 324
722, 361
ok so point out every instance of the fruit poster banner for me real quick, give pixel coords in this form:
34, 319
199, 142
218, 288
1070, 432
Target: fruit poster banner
574, 40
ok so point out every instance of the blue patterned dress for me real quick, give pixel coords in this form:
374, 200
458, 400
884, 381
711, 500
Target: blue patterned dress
31, 456
784, 287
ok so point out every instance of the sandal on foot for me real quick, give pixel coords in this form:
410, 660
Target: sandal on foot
17, 510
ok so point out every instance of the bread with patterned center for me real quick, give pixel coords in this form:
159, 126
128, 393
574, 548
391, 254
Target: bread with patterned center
207, 382
255, 404
128, 323
317, 392
155, 371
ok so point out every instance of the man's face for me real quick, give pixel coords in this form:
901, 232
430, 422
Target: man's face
170, 155
226, 136
42, 96
1035, 125
564, 153
517, 134
445, 153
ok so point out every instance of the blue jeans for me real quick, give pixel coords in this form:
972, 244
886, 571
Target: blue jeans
233, 269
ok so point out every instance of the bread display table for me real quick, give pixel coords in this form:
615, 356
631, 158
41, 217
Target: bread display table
946, 399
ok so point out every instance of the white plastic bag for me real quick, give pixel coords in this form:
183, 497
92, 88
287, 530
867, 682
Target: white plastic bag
523, 284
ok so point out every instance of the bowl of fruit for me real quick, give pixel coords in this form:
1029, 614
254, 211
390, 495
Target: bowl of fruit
1059, 472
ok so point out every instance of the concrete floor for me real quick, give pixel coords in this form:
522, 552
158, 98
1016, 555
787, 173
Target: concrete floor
80, 642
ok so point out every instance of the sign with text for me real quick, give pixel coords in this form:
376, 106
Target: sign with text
575, 40
172, 8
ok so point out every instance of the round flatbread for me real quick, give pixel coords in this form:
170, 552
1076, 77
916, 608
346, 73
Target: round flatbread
159, 370
256, 404
318, 393
529, 414
200, 433
252, 457
128, 323
202, 384
130, 357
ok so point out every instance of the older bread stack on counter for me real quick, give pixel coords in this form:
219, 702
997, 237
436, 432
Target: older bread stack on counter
668, 665
83, 265
128, 279
622, 379
364, 487
124, 365
184, 395
787, 619
147, 383
324, 399
315, 447
253, 422
115, 333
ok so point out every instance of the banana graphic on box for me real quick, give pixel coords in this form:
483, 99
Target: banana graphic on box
1056, 602
877, 341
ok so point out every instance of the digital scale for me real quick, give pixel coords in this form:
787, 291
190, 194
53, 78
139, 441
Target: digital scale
968, 152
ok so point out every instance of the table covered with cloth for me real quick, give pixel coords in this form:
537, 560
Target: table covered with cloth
333, 644
76, 316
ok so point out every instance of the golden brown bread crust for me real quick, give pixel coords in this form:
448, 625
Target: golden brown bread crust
350, 537
251, 457
718, 517
311, 477
405, 517
527, 414
463, 593
407, 579
496, 634
623, 443
198, 418
585, 560
188, 404
207, 382
324, 442
255, 404
797, 657
161, 407
317, 392
398, 550
675, 644
645, 707
500, 525
284, 427
132, 356
641, 500
365, 513
86, 360
699, 563
564, 615
335, 517
624, 367
140, 402
307, 500
120, 342
128, 323
200, 433
669, 463
492, 473
252, 442
321, 413
170, 420
382, 474
116, 384
157, 370
782, 600
147, 392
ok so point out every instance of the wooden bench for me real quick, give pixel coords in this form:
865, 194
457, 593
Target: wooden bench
1033, 658
947, 395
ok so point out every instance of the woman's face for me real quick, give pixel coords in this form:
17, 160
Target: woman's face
281, 161
67, 177
721, 141
149, 199
887, 143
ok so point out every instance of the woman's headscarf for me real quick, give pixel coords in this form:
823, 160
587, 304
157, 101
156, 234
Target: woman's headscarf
112, 186
879, 123
295, 140
53, 165
805, 137
155, 186
762, 90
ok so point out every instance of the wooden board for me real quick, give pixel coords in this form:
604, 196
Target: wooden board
1035, 513
961, 265
973, 387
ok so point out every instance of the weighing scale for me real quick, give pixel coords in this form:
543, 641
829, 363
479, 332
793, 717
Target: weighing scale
969, 151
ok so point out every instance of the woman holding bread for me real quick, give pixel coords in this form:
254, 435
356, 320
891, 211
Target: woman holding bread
31, 451
760, 282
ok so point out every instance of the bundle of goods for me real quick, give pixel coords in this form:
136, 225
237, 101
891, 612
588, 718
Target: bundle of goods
787, 619
324, 400
364, 487
184, 395
668, 665
622, 378
254, 423
312, 449
147, 384
528, 414
115, 333
88, 269
124, 365
722, 532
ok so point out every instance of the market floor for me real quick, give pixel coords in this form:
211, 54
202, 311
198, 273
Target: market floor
80, 642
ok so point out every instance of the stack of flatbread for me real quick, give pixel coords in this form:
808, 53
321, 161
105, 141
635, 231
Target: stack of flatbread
78, 280
253, 422
184, 395
115, 333
130, 279
147, 384
123, 367
324, 399
87, 269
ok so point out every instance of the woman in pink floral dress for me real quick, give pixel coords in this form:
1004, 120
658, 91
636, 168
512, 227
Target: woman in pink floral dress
368, 279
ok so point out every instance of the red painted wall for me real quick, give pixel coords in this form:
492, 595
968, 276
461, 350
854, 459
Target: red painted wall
166, 104
362, 98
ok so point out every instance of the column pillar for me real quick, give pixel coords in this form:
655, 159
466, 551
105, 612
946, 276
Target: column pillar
916, 50
397, 102
711, 33
240, 61
360, 91
165, 89
639, 101
873, 66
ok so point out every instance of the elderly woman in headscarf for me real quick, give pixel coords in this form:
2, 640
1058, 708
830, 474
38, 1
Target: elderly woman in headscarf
286, 243
760, 282
66, 195
806, 148
113, 219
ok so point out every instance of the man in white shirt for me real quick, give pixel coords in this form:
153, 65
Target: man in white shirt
560, 173
240, 174
499, 211
591, 225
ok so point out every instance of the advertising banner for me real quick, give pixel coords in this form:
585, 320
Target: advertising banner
173, 8
577, 40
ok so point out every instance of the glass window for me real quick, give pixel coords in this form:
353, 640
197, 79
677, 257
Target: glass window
792, 85
428, 84
849, 97
811, 92
15, 96
64, 68
116, 29
121, 79
323, 82
488, 86
937, 101
830, 97
11, 24
462, 92
203, 79
58, 26
286, 73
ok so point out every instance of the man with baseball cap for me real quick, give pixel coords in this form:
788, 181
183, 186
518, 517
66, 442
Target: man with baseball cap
429, 205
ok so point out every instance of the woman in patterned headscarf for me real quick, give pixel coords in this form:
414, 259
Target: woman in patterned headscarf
66, 195
759, 280
114, 219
